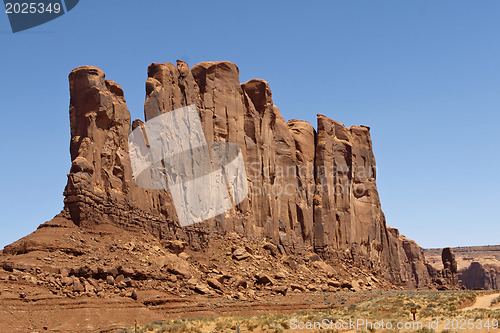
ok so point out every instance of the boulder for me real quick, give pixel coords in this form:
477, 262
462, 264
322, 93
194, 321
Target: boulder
119, 279
127, 272
175, 265
8, 266
65, 271
355, 286
280, 290
214, 283
334, 283
264, 279
67, 281
299, 287
273, 249
346, 285
241, 282
88, 287
312, 287
202, 289
78, 286
241, 253
324, 267
176, 246
110, 280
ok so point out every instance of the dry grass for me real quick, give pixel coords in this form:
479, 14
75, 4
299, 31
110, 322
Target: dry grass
373, 305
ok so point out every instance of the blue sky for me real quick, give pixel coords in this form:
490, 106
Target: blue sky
424, 75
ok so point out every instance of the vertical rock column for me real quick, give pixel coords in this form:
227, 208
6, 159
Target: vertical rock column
100, 123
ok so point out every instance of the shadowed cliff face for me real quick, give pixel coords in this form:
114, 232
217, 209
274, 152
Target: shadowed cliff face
478, 276
308, 190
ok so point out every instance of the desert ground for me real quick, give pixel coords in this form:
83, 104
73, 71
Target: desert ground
436, 312
156, 312
451, 311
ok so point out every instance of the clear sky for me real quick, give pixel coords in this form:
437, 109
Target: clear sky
424, 75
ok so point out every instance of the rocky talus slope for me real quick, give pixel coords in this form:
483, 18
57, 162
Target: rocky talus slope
312, 219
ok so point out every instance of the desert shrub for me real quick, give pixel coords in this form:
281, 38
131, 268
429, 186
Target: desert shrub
219, 325
424, 330
251, 326
173, 328
285, 325
124, 330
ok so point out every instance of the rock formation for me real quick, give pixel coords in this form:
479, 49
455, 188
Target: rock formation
450, 267
308, 190
473, 267
312, 208
449, 261
478, 276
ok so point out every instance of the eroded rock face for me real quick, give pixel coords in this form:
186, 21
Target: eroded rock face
449, 261
308, 190
450, 267
100, 187
406, 260
478, 276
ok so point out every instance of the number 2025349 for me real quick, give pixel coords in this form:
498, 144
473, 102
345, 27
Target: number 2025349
32, 8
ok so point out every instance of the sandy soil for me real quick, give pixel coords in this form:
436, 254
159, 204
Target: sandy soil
482, 302
45, 313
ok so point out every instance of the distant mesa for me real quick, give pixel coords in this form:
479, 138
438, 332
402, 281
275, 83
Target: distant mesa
474, 267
